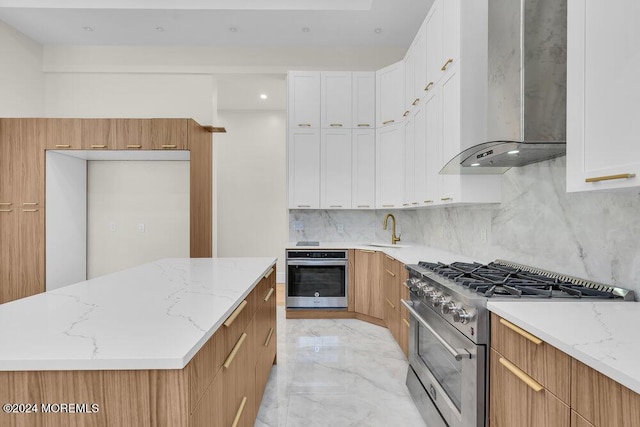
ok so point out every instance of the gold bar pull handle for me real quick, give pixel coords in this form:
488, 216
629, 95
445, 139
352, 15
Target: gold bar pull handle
533, 384
167, 146
98, 146
6, 210
444, 199
336, 125
63, 146
363, 125
304, 125
405, 114
335, 206
610, 177
367, 251
406, 322
268, 296
134, 146
386, 122
522, 332
415, 203
269, 273
30, 204
363, 206
266, 343
392, 305
236, 420
428, 86
390, 273
304, 206
446, 64
415, 102
235, 350
388, 206
235, 313
428, 201
5, 203
29, 210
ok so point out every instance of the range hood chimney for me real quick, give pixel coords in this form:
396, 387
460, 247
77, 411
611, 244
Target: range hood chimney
527, 81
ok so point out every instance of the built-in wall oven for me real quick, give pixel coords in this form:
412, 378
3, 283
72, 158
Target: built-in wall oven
317, 278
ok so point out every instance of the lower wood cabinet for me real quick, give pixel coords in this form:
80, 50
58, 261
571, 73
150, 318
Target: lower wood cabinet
405, 320
391, 292
367, 285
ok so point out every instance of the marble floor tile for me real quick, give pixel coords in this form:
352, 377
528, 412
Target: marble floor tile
336, 372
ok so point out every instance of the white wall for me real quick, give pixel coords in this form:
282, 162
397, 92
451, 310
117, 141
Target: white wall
250, 171
124, 194
21, 77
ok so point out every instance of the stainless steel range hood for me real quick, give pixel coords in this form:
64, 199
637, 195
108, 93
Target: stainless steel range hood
527, 97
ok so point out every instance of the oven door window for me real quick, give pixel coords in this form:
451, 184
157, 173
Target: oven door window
442, 365
324, 280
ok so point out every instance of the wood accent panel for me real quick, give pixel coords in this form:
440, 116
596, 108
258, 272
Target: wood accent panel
366, 283
131, 133
63, 134
204, 366
125, 398
98, 134
351, 292
602, 401
166, 133
513, 403
201, 186
544, 363
578, 421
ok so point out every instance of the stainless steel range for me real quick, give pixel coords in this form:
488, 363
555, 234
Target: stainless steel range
449, 338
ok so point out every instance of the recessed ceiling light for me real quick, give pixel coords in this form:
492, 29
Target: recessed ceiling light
377, 30
87, 28
263, 96
233, 29
160, 29
475, 164
513, 152
305, 29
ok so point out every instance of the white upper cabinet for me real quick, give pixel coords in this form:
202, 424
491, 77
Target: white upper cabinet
409, 187
304, 99
409, 76
603, 115
335, 169
390, 166
363, 100
450, 32
434, 35
390, 94
433, 147
335, 102
419, 118
304, 168
419, 64
363, 173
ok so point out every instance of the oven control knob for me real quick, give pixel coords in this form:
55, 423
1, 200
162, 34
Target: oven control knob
448, 307
460, 315
437, 300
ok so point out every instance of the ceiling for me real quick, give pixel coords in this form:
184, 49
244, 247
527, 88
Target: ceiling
229, 23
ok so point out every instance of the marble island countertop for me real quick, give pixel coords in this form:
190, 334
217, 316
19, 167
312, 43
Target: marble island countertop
154, 316
601, 335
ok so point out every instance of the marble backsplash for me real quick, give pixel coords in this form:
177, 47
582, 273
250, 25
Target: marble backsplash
589, 235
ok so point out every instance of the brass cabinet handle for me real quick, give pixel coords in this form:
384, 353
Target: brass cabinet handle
444, 199
405, 204
30, 204
336, 125
388, 206
405, 114
29, 210
304, 206
386, 122
406, 322
446, 64
428, 201
266, 343
98, 146
169, 146
63, 146
235, 313
390, 273
269, 273
415, 203
390, 303
235, 350
416, 101
335, 206
236, 420
134, 146
6, 210
363, 125
428, 86
268, 296
522, 332
533, 384
5, 203
363, 206
367, 251
610, 177
304, 125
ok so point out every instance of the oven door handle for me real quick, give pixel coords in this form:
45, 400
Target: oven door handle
319, 263
457, 353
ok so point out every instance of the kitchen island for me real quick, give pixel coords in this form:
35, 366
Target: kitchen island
151, 345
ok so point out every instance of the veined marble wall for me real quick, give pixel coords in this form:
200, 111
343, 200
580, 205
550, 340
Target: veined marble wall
589, 235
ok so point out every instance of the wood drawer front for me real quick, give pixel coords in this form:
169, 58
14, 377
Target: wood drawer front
513, 403
602, 401
578, 421
543, 362
209, 411
390, 264
205, 365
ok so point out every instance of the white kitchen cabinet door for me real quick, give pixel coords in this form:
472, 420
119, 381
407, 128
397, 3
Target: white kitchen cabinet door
450, 33
363, 174
419, 64
419, 155
603, 114
434, 44
409, 162
335, 169
304, 168
389, 166
335, 101
303, 99
433, 143
364, 100
409, 77
390, 94
450, 133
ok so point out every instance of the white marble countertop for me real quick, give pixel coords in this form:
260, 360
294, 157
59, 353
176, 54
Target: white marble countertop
407, 253
601, 335
154, 316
